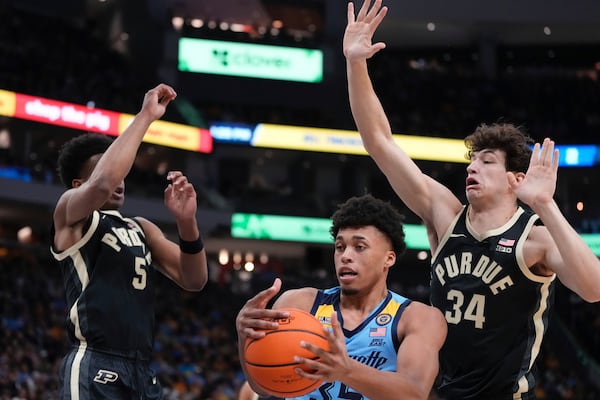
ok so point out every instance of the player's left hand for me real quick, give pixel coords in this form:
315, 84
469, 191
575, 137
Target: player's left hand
358, 36
332, 365
539, 183
180, 196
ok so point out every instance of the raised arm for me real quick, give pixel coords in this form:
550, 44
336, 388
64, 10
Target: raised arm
563, 250
114, 165
415, 189
184, 263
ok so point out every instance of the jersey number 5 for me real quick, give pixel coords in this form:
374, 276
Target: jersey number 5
139, 280
474, 311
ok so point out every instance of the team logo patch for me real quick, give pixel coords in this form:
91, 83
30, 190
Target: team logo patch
104, 376
383, 319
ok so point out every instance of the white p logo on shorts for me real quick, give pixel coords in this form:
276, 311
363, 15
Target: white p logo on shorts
103, 376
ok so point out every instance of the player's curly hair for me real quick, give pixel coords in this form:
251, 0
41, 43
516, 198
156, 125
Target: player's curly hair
511, 139
367, 210
76, 152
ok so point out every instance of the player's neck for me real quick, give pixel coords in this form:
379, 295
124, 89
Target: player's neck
483, 219
363, 303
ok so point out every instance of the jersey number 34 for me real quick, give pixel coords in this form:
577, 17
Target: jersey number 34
474, 310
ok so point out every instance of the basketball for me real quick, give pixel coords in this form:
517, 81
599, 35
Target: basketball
270, 359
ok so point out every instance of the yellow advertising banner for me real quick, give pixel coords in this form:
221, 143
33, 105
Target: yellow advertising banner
349, 142
8, 103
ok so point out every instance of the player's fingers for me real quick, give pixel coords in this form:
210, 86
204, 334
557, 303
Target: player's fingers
254, 334
180, 182
165, 91
267, 294
334, 333
547, 151
316, 350
314, 374
351, 12
535, 154
188, 189
372, 13
174, 175
379, 17
363, 10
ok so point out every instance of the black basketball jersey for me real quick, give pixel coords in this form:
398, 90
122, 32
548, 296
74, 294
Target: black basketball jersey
109, 285
496, 308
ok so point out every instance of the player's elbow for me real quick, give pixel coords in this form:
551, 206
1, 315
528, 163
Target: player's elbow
592, 296
195, 284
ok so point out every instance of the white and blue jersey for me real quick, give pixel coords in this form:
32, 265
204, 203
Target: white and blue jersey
374, 342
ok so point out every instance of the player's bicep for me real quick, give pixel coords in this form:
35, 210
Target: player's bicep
418, 355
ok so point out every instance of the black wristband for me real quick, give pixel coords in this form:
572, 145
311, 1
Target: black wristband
193, 247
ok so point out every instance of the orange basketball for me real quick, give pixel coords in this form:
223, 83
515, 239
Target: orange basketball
270, 359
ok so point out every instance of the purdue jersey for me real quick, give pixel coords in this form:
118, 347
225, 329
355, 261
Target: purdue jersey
374, 342
109, 285
496, 309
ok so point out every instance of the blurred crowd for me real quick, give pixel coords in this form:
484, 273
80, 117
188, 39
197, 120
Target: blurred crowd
195, 348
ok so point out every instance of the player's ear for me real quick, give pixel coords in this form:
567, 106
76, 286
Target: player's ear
77, 182
519, 176
390, 259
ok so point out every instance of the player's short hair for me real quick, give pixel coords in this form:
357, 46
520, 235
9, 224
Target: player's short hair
366, 210
76, 152
511, 139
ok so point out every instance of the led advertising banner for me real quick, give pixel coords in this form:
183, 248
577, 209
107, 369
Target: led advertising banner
8, 103
349, 142
316, 230
304, 229
75, 116
250, 60
577, 155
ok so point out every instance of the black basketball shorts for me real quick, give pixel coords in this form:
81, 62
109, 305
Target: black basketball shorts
90, 374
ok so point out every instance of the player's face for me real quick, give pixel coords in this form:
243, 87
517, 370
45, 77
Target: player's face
362, 258
117, 198
486, 175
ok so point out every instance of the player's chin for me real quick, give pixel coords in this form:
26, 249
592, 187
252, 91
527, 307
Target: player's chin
113, 204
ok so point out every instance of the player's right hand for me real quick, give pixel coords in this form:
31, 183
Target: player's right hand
254, 318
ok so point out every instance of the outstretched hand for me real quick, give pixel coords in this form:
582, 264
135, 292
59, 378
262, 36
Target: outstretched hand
359, 32
254, 318
156, 100
332, 365
180, 196
539, 183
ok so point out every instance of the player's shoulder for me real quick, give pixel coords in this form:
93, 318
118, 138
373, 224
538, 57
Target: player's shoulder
423, 317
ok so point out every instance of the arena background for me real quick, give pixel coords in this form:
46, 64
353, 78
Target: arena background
448, 67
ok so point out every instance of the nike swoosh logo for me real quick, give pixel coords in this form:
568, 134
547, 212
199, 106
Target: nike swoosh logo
456, 235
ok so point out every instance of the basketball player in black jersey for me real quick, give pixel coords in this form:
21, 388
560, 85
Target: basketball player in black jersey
494, 262
110, 262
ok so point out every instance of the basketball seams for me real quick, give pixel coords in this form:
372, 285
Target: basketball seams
269, 360
294, 393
